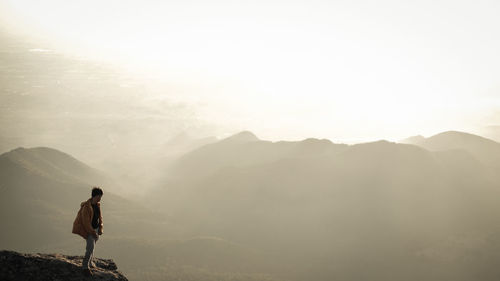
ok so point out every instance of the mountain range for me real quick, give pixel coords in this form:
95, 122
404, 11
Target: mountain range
316, 200
251, 209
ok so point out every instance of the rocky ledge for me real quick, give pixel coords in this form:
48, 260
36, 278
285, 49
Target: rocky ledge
52, 267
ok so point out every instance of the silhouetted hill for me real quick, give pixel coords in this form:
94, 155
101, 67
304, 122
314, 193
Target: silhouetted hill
49, 267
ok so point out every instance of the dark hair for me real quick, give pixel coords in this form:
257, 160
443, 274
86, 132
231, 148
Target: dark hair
96, 191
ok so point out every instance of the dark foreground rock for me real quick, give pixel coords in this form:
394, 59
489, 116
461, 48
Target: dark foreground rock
53, 267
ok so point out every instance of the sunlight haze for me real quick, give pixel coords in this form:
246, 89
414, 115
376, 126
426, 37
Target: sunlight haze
345, 70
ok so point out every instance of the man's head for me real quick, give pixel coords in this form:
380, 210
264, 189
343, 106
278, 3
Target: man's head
96, 194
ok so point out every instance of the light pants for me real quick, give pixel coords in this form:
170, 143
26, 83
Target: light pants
89, 250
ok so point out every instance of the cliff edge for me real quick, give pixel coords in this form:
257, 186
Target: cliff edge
51, 267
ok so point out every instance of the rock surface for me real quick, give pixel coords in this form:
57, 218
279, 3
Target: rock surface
52, 267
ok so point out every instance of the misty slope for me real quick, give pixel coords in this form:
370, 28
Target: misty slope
342, 204
50, 163
183, 143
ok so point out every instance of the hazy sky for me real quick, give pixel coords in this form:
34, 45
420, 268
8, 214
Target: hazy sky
344, 70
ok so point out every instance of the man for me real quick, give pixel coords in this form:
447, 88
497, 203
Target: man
88, 224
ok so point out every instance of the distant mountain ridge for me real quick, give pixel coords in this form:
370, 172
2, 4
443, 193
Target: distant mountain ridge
246, 149
344, 203
454, 138
485, 150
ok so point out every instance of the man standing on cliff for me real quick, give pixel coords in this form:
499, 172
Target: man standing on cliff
88, 224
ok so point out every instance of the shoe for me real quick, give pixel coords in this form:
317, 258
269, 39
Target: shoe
87, 272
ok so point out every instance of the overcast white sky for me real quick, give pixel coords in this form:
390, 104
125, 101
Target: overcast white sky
344, 70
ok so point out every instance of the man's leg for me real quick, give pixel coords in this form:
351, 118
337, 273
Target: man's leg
92, 263
89, 251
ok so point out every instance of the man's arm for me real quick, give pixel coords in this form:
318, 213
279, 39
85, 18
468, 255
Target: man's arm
100, 220
100, 229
